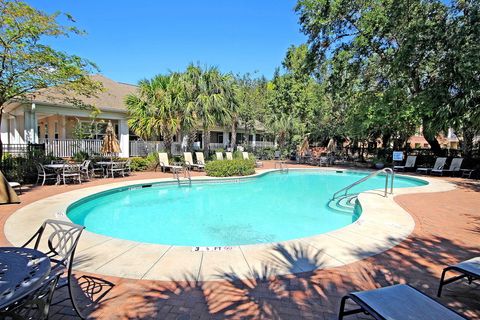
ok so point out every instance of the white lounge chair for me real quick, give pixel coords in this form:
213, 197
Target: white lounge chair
200, 159
246, 156
229, 155
189, 161
409, 164
439, 164
164, 164
455, 167
219, 155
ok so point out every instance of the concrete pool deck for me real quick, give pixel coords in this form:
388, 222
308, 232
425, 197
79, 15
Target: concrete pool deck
447, 230
382, 225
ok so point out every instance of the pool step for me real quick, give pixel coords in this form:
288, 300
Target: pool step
344, 203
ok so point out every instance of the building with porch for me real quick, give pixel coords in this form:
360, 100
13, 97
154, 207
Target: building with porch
66, 129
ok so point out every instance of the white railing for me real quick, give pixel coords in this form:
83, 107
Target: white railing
263, 144
214, 146
66, 148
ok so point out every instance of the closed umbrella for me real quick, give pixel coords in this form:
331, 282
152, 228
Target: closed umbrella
332, 145
110, 143
304, 147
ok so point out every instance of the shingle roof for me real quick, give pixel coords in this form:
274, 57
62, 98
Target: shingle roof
110, 99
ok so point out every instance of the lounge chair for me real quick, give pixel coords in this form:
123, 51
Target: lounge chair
277, 155
189, 161
229, 155
246, 156
469, 269
399, 301
219, 155
439, 164
164, 164
409, 164
200, 159
454, 168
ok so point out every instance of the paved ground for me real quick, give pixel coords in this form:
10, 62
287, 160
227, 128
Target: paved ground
447, 230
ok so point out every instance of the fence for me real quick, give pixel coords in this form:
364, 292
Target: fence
22, 149
140, 148
66, 148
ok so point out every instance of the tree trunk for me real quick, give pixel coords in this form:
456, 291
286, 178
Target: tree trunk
385, 140
467, 145
168, 141
434, 145
191, 137
206, 142
1, 142
233, 140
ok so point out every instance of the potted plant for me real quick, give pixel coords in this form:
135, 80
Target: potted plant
379, 162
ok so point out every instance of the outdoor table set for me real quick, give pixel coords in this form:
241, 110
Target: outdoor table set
60, 168
23, 272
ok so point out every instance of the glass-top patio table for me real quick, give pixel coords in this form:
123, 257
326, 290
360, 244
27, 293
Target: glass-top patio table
22, 272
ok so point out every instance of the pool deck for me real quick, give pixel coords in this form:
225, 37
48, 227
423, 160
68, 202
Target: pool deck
298, 279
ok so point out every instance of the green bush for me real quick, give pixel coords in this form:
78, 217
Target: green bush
139, 164
80, 156
224, 168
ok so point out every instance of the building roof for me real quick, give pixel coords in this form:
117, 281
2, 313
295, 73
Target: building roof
110, 99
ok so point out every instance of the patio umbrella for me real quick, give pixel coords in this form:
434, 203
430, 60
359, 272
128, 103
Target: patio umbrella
332, 145
110, 143
304, 147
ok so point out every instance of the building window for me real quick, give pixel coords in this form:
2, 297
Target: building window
46, 130
418, 145
56, 131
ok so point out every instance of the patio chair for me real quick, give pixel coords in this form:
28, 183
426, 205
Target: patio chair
128, 167
229, 155
16, 185
219, 155
189, 161
399, 301
277, 155
454, 168
469, 269
58, 240
71, 172
117, 168
439, 164
45, 174
97, 170
85, 169
409, 164
245, 155
164, 164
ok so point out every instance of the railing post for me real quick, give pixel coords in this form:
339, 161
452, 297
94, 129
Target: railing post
386, 183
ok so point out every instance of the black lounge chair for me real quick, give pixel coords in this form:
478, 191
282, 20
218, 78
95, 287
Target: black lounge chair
469, 269
439, 164
455, 168
400, 301
409, 164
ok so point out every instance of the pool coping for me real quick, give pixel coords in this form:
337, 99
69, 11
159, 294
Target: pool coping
382, 225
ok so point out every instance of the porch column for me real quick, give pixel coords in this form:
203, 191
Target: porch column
30, 131
254, 140
124, 138
63, 127
14, 134
226, 141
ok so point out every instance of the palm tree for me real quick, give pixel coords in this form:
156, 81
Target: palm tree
153, 110
207, 99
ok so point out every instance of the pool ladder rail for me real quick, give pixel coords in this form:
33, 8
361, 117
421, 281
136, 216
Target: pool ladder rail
282, 165
186, 180
388, 173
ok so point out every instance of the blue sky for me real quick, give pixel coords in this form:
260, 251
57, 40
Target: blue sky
131, 40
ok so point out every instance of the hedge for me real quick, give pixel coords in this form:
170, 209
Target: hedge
229, 168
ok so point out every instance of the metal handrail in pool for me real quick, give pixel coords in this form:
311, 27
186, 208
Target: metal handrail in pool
387, 171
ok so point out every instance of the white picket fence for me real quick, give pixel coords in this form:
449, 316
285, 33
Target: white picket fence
142, 148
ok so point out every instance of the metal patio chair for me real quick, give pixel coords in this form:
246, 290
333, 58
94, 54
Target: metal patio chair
58, 240
71, 172
44, 174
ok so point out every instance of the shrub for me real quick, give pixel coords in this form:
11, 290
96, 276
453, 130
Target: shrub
139, 164
80, 156
236, 167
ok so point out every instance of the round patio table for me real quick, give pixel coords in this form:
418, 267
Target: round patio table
22, 271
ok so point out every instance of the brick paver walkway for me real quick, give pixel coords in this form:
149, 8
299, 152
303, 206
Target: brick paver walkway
447, 231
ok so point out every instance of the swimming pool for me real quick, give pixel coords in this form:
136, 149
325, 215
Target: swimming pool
270, 208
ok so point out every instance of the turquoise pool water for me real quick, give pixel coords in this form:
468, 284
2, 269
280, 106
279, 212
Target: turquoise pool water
272, 207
